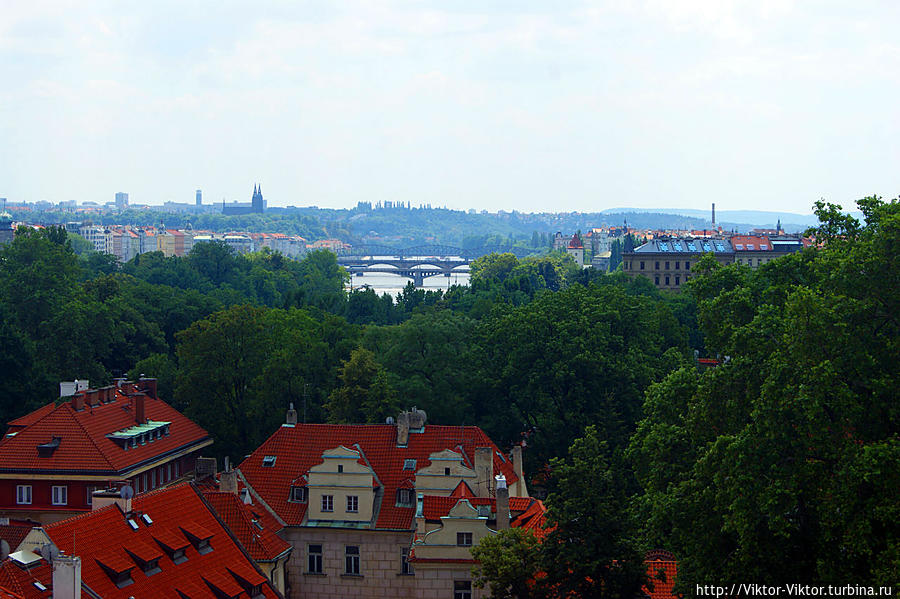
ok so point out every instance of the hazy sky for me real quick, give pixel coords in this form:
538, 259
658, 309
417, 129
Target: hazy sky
535, 106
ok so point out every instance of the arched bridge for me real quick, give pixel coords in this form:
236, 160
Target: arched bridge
417, 262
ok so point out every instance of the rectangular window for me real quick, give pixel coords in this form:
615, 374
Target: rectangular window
667, 265
60, 495
153, 479
168, 471
677, 265
642, 265
314, 559
677, 280
657, 265
405, 566
327, 503
667, 279
23, 494
656, 280
464, 539
462, 589
89, 500
351, 560
298, 494
404, 496
352, 503
176, 469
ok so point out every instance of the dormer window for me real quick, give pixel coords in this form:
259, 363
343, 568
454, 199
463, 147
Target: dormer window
409, 464
199, 538
299, 494
405, 497
269, 461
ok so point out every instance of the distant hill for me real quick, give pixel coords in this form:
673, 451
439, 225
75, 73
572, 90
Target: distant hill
740, 219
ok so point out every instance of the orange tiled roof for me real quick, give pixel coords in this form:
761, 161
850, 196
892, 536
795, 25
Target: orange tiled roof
435, 506
19, 583
15, 531
84, 446
253, 525
179, 515
661, 571
299, 447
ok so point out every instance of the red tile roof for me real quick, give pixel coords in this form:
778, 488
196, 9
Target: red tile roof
575, 243
105, 536
21, 581
751, 243
15, 531
299, 447
661, 571
7, 594
435, 507
84, 446
253, 525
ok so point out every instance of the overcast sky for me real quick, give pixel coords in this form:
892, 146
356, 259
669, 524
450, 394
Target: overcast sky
535, 106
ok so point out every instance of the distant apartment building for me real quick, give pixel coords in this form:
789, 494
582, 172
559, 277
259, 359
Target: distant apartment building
121, 200
292, 246
53, 459
668, 262
388, 510
172, 242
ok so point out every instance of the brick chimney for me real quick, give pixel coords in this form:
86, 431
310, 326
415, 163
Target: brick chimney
502, 502
66, 577
484, 471
78, 401
138, 400
149, 386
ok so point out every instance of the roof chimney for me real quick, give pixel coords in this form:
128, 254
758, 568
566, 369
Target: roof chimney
484, 471
502, 502
291, 415
522, 491
149, 386
204, 467
228, 479
66, 577
714, 216
403, 429
138, 400
78, 401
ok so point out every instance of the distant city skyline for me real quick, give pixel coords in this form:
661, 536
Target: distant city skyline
565, 107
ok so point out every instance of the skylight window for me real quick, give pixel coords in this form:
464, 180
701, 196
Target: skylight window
269, 461
409, 464
720, 247
663, 246
133, 524
146, 519
691, 246
39, 586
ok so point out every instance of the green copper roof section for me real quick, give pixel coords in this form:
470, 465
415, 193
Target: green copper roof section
138, 429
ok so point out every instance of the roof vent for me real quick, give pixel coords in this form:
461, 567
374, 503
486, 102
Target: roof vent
46, 450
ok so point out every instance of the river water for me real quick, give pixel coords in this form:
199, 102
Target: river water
383, 282
393, 284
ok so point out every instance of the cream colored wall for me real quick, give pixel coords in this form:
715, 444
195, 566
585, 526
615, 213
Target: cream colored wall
441, 542
356, 479
431, 479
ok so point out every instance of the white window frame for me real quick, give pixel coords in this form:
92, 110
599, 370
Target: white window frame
23, 494
59, 495
352, 561
327, 503
353, 504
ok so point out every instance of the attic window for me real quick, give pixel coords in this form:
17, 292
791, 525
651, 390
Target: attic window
409, 464
298, 494
269, 461
121, 577
405, 497
199, 538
